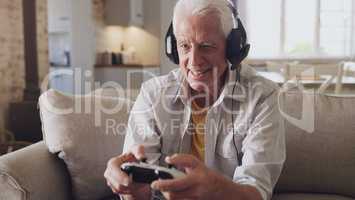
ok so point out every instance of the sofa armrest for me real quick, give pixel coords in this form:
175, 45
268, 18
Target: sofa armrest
33, 173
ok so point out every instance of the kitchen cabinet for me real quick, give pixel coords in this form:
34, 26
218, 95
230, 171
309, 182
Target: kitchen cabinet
124, 12
58, 16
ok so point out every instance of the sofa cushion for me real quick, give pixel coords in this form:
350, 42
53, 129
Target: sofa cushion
320, 160
85, 131
303, 196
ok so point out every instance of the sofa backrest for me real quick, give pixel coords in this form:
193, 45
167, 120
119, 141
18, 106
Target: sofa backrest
323, 160
85, 131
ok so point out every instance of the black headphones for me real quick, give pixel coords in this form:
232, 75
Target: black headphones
237, 48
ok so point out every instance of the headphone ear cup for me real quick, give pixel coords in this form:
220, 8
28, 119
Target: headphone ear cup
171, 46
237, 48
244, 52
233, 46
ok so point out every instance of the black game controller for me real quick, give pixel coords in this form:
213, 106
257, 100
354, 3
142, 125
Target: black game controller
147, 173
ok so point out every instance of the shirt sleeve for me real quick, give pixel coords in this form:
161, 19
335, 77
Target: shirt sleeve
142, 129
263, 147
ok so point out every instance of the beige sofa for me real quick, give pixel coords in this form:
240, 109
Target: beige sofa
320, 161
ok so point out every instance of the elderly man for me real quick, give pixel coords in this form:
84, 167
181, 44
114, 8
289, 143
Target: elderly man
221, 127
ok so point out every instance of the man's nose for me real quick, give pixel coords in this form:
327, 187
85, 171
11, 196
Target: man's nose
195, 57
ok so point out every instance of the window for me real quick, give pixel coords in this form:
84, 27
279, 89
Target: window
300, 28
336, 27
263, 33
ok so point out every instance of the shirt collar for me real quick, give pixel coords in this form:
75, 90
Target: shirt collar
182, 92
231, 82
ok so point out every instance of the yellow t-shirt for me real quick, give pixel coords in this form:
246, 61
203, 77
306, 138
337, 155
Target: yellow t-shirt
198, 137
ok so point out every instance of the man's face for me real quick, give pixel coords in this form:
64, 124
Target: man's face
201, 47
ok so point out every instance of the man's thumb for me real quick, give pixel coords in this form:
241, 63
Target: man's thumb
183, 161
138, 152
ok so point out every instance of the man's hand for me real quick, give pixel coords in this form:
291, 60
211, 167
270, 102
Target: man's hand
118, 180
199, 182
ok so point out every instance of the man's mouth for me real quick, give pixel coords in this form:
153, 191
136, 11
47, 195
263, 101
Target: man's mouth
199, 74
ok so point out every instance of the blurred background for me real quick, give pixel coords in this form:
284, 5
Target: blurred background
78, 45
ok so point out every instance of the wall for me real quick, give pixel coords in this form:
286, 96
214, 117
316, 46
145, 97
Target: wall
146, 40
82, 45
166, 10
12, 73
42, 39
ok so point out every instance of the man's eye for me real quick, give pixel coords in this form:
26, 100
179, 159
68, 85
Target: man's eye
184, 46
206, 46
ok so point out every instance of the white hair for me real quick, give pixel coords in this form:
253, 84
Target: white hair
186, 8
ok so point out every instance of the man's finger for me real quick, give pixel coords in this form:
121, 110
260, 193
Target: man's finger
112, 188
118, 161
177, 195
120, 189
178, 184
114, 175
187, 194
183, 160
138, 152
